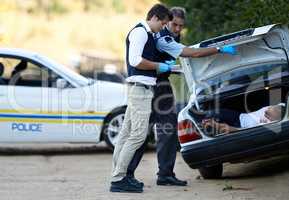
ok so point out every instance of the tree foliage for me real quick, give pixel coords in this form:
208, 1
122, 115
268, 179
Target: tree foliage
210, 18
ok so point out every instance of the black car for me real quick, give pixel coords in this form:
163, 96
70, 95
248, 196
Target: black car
253, 81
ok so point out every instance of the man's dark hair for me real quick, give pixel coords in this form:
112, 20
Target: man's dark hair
178, 12
160, 11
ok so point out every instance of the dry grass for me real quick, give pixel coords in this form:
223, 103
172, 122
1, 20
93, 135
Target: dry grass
102, 30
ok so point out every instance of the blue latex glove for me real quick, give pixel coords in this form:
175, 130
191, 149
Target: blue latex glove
166, 66
170, 62
229, 50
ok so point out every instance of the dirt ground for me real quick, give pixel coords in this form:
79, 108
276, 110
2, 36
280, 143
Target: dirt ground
75, 174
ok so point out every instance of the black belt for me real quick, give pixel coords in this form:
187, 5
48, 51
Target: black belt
141, 85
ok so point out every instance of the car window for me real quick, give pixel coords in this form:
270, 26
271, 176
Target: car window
262, 74
21, 72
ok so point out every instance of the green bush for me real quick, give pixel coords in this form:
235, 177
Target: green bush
210, 18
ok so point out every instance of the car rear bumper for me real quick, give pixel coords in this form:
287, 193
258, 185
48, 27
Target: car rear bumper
248, 144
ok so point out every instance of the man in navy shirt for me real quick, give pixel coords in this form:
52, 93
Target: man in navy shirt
164, 115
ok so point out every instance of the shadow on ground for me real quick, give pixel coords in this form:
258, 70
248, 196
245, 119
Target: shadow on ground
56, 149
261, 168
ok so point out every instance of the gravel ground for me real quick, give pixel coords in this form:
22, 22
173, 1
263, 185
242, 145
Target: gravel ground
81, 172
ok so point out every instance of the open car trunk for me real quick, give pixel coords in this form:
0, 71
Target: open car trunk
258, 76
256, 87
241, 102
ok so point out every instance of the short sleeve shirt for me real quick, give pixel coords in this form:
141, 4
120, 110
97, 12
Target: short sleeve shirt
168, 44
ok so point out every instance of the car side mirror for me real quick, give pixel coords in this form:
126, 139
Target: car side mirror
61, 83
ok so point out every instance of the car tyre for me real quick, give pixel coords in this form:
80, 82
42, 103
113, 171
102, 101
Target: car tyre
212, 172
112, 127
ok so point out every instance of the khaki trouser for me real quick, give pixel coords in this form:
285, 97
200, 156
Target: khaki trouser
134, 129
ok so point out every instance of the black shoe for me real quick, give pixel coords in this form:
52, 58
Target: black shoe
136, 182
125, 185
170, 180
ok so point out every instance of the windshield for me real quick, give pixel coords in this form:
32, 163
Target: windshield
263, 74
65, 71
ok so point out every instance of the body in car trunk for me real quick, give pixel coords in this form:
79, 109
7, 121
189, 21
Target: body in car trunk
258, 76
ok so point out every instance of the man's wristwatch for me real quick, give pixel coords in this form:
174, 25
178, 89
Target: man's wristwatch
218, 49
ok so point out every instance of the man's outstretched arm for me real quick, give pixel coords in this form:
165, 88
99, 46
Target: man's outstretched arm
200, 52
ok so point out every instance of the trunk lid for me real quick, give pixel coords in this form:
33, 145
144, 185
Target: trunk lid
256, 45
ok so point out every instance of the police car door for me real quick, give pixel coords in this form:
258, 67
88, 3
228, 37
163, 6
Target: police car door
30, 108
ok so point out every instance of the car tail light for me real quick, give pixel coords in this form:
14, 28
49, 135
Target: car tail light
187, 132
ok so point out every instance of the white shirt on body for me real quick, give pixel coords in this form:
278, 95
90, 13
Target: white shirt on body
248, 120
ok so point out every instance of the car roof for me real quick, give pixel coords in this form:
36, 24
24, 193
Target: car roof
19, 52
62, 70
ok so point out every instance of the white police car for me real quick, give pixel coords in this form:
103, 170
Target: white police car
256, 77
43, 101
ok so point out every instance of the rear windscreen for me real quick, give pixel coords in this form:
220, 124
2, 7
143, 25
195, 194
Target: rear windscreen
258, 74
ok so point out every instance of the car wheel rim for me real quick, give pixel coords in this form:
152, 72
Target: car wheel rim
114, 128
